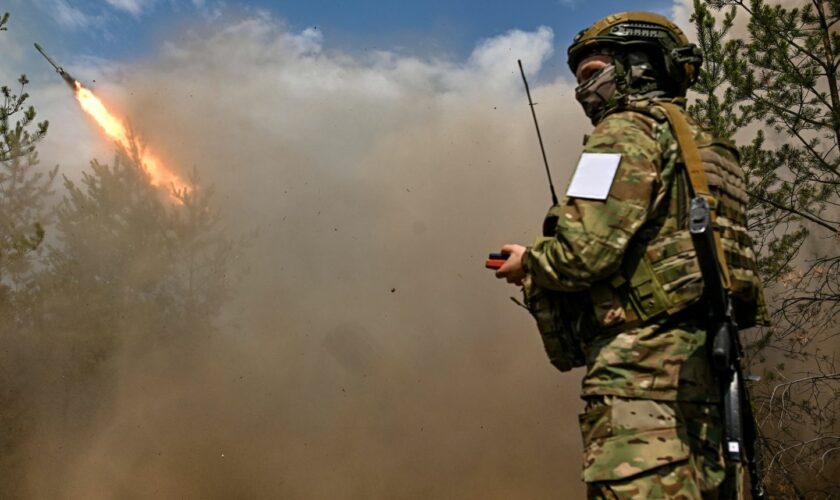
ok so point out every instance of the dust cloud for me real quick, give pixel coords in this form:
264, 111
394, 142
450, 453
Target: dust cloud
365, 351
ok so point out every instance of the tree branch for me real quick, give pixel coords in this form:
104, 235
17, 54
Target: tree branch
812, 218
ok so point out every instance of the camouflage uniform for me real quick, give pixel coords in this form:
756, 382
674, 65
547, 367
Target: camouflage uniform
652, 426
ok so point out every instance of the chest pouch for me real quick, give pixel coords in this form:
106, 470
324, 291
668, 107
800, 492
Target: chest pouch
562, 317
559, 322
635, 294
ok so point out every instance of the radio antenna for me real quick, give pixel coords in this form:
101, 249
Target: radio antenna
539, 135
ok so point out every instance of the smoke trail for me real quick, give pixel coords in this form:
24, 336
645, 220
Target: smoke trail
367, 354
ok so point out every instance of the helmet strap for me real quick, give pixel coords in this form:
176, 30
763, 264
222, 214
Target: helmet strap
622, 79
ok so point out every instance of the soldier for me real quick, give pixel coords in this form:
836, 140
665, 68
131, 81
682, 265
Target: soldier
614, 282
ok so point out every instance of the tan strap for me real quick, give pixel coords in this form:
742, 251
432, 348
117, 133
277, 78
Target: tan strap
696, 174
690, 153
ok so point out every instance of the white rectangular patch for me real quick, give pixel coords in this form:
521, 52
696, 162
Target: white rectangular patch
594, 176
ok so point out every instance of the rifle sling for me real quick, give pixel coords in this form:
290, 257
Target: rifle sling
696, 174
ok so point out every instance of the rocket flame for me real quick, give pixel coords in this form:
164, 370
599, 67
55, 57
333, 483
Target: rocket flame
116, 130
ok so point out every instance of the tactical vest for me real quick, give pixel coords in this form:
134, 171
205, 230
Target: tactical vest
660, 276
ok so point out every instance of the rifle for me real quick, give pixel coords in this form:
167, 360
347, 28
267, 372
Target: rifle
740, 429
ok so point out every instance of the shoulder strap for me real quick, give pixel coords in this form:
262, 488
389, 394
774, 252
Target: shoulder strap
696, 173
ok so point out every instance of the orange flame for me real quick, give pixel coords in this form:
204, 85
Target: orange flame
116, 130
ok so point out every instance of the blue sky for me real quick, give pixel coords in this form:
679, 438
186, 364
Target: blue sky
440, 55
127, 29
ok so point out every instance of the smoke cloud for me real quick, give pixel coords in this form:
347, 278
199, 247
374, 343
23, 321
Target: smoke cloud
366, 352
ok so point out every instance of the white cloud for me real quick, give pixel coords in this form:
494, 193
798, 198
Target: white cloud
681, 13
134, 7
209, 10
291, 83
66, 15
492, 63
493, 56
309, 41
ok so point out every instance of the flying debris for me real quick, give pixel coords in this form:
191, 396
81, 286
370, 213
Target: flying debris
65, 75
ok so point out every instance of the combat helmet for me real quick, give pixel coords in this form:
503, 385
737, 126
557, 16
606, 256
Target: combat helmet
626, 32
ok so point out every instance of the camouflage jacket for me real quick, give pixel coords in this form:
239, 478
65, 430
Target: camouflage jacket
662, 357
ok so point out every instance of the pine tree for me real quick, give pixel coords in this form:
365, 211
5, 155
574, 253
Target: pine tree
24, 212
23, 192
781, 81
134, 260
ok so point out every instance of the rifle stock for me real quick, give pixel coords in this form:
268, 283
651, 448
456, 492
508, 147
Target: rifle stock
740, 430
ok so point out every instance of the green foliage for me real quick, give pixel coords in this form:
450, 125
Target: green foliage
15, 138
24, 212
23, 189
127, 264
782, 81
717, 111
778, 84
132, 259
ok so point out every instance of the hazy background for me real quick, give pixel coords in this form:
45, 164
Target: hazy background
365, 352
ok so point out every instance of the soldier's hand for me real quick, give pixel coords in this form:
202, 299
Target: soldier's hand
512, 270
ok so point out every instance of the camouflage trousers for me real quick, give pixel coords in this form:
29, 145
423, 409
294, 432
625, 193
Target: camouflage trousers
640, 449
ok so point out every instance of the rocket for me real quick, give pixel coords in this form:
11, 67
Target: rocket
64, 74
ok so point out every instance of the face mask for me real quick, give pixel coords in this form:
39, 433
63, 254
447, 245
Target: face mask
594, 94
